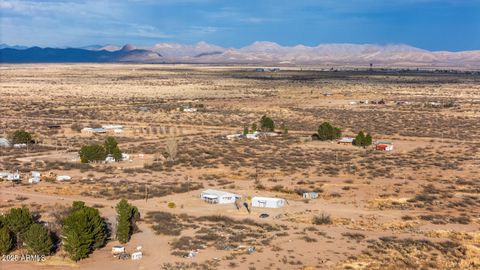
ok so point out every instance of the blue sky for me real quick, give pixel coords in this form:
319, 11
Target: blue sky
429, 24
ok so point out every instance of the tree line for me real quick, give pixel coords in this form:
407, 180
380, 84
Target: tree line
83, 230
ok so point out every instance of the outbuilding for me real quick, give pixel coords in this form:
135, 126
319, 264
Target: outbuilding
384, 146
217, 196
4, 143
137, 255
346, 141
118, 249
310, 195
266, 202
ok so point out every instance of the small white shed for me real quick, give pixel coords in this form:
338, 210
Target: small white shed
118, 249
266, 202
217, 196
137, 255
63, 178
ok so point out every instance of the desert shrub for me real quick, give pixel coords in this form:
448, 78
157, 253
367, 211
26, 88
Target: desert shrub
322, 219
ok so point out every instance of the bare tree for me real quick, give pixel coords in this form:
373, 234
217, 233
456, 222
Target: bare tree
171, 148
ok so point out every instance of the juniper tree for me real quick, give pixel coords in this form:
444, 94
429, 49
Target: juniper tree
6, 241
38, 240
18, 220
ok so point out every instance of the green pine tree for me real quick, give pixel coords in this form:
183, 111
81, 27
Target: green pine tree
267, 124
38, 240
84, 230
328, 132
6, 241
126, 218
368, 140
359, 139
18, 220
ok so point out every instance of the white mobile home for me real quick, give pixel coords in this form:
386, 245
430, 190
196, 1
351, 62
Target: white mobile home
217, 196
137, 255
118, 249
266, 202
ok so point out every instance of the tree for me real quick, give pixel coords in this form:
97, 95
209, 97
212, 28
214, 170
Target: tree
328, 132
254, 127
111, 148
267, 124
92, 152
245, 130
38, 240
21, 136
362, 140
359, 139
6, 241
368, 140
117, 154
171, 148
18, 220
126, 218
84, 230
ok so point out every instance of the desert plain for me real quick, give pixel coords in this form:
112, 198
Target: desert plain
416, 207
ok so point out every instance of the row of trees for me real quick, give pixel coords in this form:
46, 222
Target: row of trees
266, 125
83, 231
17, 228
97, 152
327, 132
362, 140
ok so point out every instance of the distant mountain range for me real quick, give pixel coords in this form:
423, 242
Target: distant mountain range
264, 53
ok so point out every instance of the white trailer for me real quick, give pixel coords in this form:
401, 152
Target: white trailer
217, 196
266, 202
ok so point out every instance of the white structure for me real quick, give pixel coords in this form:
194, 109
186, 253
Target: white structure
20, 145
63, 178
310, 195
93, 130
189, 109
118, 249
107, 127
254, 136
4, 142
266, 202
109, 159
10, 176
137, 255
125, 157
235, 136
217, 196
35, 178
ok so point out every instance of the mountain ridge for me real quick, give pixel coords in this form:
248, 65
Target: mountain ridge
260, 52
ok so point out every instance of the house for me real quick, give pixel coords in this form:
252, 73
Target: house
346, 141
137, 255
109, 159
113, 128
235, 136
266, 202
189, 109
35, 178
63, 178
384, 146
4, 143
254, 136
20, 145
10, 176
118, 249
125, 157
93, 130
310, 195
217, 196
